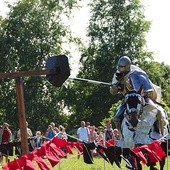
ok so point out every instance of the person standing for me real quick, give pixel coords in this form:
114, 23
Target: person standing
109, 131
100, 134
29, 132
54, 127
83, 132
29, 137
116, 135
38, 139
6, 136
50, 133
93, 134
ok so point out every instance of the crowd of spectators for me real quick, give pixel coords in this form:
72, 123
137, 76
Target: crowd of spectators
85, 133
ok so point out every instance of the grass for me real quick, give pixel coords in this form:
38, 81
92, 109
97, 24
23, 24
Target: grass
72, 163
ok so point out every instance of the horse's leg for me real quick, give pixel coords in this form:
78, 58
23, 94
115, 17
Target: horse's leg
118, 152
162, 164
127, 153
153, 167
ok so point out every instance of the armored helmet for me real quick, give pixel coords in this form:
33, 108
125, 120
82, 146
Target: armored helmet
124, 62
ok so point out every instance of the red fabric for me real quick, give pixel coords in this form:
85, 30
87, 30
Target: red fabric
41, 163
29, 165
40, 151
79, 147
72, 144
153, 158
57, 150
62, 143
51, 149
69, 150
108, 143
78, 150
13, 165
139, 153
53, 158
21, 161
153, 150
157, 149
59, 142
5, 136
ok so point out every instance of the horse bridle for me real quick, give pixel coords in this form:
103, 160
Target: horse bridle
140, 104
134, 108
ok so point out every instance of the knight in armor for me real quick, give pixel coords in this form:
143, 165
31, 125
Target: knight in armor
128, 77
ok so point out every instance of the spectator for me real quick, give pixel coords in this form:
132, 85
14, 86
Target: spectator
93, 134
116, 135
83, 132
50, 133
38, 140
1, 130
6, 133
54, 127
109, 131
99, 134
62, 133
93, 138
29, 137
88, 124
5, 141
29, 132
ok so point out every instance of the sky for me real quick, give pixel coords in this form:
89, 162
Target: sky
156, 11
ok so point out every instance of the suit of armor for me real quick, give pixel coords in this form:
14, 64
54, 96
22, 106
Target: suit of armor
133, 78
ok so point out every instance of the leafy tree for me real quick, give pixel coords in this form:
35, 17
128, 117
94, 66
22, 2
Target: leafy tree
33, 30
116, 28
159, 74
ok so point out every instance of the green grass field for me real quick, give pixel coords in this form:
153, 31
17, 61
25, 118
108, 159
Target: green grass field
72, 163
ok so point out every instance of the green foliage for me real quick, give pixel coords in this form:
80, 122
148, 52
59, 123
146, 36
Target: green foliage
159, 74
32, 31
116, 28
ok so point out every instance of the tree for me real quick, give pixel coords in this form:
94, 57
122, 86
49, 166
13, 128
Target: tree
159, 74
32, 31
116, 28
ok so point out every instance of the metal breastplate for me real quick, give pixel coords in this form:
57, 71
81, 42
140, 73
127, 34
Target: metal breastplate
138, 79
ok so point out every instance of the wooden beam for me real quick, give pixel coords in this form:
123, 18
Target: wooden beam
21, 115
27, 73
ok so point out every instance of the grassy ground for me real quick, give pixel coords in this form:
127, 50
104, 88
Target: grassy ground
73, 163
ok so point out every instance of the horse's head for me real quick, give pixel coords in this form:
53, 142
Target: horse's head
134, 106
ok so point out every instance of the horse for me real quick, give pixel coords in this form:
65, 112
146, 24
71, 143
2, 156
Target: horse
140, 116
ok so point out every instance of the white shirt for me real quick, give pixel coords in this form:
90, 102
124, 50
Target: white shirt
83, 133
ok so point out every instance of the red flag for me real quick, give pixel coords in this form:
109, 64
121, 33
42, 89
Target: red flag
157, 149
41, 163
53, 159
59, 142
57, 150
11, 166
139, 153
29, 165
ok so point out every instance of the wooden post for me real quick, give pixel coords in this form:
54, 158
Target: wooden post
20, 100
21, 115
